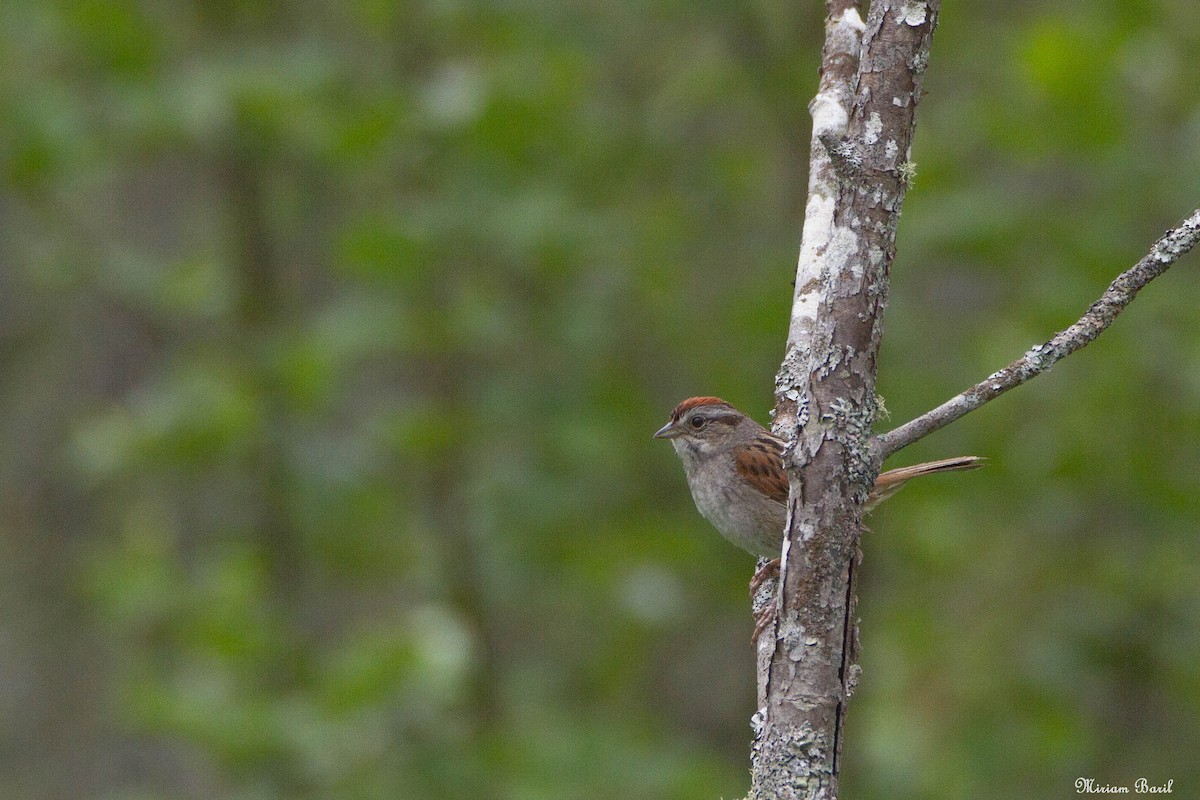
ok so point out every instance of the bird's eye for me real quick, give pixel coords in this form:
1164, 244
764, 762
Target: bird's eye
698, 422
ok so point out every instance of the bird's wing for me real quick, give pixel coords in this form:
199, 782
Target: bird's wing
761, 465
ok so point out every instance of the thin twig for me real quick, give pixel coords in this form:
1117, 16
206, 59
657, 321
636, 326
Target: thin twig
1165, 252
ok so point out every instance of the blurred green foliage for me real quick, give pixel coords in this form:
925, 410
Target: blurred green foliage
332, 337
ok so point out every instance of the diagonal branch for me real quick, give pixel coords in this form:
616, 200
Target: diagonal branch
1165, 252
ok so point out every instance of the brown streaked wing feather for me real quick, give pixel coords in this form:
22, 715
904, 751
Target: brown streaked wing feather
761, 465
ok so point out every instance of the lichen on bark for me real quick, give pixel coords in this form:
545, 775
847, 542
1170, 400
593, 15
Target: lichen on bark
825, 389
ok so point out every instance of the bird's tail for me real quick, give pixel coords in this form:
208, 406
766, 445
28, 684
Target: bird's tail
888, 483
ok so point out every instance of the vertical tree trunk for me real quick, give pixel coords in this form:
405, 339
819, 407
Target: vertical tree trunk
825, 392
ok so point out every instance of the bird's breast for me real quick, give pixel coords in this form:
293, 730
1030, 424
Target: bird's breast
739, 512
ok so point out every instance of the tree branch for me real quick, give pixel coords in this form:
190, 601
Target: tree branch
830, 110
825, 399
1120, 293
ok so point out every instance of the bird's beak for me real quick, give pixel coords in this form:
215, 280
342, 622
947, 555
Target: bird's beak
668, 431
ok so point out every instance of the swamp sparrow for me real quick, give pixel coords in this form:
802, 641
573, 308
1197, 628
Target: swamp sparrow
735, 470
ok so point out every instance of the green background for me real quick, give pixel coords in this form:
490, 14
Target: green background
332, 336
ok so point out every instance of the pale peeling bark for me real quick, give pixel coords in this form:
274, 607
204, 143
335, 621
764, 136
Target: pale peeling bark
825, 404
830, 110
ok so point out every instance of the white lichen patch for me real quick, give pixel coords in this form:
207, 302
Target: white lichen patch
853, 675
851, 19
792, 632
818, 219
912, 14
818, 222
891, 149
873, 128
828, 115
843, 246
804, 312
